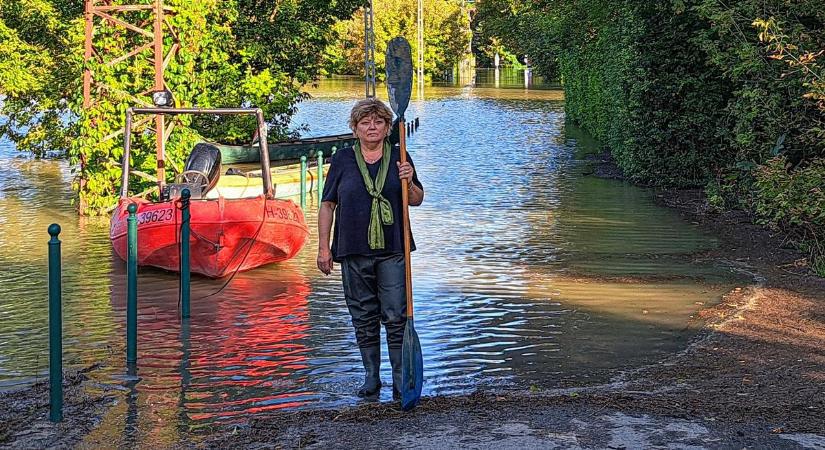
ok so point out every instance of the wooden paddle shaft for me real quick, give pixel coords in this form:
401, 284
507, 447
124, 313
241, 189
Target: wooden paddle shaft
405, 201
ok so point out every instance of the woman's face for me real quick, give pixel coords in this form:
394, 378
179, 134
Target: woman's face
371, 129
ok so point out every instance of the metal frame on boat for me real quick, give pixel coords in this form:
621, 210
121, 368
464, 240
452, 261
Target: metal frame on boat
259, 115
228, 234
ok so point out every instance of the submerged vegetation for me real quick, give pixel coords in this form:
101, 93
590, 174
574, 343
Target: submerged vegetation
222, 54
725, 95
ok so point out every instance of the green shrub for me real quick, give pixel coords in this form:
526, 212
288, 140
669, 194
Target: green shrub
771, 110
794, 202
727, 95
635, 77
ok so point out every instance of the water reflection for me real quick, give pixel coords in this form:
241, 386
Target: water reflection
527, 273
244, 349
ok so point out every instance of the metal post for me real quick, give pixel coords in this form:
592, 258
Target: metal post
303, 181
269, 190
55, 328
369, 50
127, 154
184, 252
131, 285
320, 182
420, 48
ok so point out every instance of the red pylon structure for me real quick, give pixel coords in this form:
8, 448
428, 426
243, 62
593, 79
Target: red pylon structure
102, 13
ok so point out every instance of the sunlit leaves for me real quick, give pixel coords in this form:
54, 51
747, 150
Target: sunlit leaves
229, 53
446, 36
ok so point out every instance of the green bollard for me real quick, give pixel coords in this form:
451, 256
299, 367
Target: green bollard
131, 285
320, 182
303, 182
55, 328
334, 149
184, 252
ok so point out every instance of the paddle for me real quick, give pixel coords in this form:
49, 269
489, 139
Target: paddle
399, 87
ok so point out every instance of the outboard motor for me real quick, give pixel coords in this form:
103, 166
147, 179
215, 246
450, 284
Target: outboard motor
200, 172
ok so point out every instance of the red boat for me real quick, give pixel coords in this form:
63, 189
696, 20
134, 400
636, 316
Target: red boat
227, 234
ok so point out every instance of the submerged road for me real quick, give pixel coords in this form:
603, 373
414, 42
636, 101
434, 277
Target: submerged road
529, 274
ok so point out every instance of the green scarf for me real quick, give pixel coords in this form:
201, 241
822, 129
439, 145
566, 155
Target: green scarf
381, 212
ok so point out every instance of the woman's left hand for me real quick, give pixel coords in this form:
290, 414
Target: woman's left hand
405, 171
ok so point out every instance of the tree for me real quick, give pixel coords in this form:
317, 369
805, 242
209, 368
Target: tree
518, 28
446, 36
229, 53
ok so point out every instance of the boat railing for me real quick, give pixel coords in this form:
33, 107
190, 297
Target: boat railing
257, 112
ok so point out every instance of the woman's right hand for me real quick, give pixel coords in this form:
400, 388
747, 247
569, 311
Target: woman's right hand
325, 261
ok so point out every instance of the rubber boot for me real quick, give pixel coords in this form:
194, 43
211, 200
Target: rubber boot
395, 361
371, 357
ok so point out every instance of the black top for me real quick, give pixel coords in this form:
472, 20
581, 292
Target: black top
345, 187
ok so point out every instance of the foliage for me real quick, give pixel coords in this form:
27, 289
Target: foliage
794, 202
692, 92
774, 119
229, 53
767, 113
446, 36
489, 42
522, 27
485, 54
806, 61
676, 101
34, 71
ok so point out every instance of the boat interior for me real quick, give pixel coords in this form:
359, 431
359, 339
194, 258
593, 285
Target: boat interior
205, 178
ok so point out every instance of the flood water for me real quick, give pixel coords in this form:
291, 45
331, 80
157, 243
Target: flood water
529, 273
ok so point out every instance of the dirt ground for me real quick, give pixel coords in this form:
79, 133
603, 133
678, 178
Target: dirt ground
753, 377
24, 413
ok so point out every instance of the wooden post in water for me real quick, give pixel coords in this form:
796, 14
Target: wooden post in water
55, 327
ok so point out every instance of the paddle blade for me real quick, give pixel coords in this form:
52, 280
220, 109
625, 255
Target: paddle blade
412, 368
399, 74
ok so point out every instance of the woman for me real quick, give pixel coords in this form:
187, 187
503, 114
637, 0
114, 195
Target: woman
363, 192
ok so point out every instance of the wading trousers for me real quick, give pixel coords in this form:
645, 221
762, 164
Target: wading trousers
374, 288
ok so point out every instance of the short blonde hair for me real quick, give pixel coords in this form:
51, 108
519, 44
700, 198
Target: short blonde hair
370, 106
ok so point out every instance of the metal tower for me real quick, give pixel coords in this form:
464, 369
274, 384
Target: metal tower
108, 15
